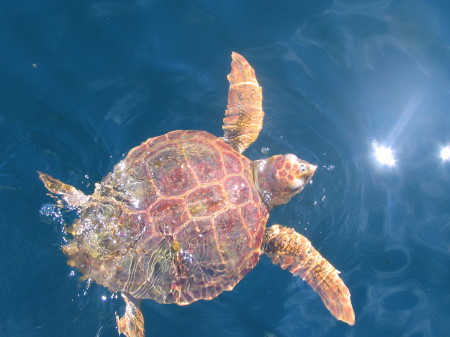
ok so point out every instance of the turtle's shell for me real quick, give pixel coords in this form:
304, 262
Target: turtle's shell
178, 220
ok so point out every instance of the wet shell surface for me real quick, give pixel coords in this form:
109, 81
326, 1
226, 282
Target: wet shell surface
178, 220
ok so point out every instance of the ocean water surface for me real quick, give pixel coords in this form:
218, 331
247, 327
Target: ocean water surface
359, 88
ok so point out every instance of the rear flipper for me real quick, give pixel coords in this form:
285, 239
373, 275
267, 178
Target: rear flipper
295, 253
72, 196
132, 322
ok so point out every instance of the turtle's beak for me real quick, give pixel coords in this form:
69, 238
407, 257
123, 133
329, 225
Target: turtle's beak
305, 173
310, 169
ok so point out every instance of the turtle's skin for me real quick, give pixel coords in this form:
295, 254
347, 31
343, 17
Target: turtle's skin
183, 217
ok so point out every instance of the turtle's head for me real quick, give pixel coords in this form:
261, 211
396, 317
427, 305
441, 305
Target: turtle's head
281, 177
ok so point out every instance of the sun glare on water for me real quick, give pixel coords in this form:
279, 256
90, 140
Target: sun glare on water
445, 153
384, 154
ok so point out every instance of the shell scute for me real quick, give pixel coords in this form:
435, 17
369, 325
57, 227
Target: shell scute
166, 215
155, 141
205, 201
131, 225
136, 153
237, 189
232, 163
170, 172
199, 257
233, 244
205, 162
224, 146
177, 134
253, 217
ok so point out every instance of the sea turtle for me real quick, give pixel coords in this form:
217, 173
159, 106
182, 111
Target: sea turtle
183, 216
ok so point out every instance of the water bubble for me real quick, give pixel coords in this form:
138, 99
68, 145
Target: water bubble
51, 214
47, 210
330, 167
265, 150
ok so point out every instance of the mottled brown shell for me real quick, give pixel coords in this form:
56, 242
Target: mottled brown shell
178, 220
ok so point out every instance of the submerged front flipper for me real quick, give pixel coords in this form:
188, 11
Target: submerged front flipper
68, 193
132, 322
295, 253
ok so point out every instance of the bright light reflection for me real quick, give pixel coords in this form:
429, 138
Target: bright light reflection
384, 154
445, 153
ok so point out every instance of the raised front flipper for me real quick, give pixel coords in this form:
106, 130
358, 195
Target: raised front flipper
244, 115
132, 322
295, 253
68, 193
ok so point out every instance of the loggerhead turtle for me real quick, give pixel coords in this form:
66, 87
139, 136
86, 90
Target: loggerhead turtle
183, 216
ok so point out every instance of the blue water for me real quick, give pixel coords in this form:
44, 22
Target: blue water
82, 82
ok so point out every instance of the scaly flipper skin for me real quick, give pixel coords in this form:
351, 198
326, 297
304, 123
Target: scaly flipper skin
132, 322
294, 252
244, 115
68, 193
